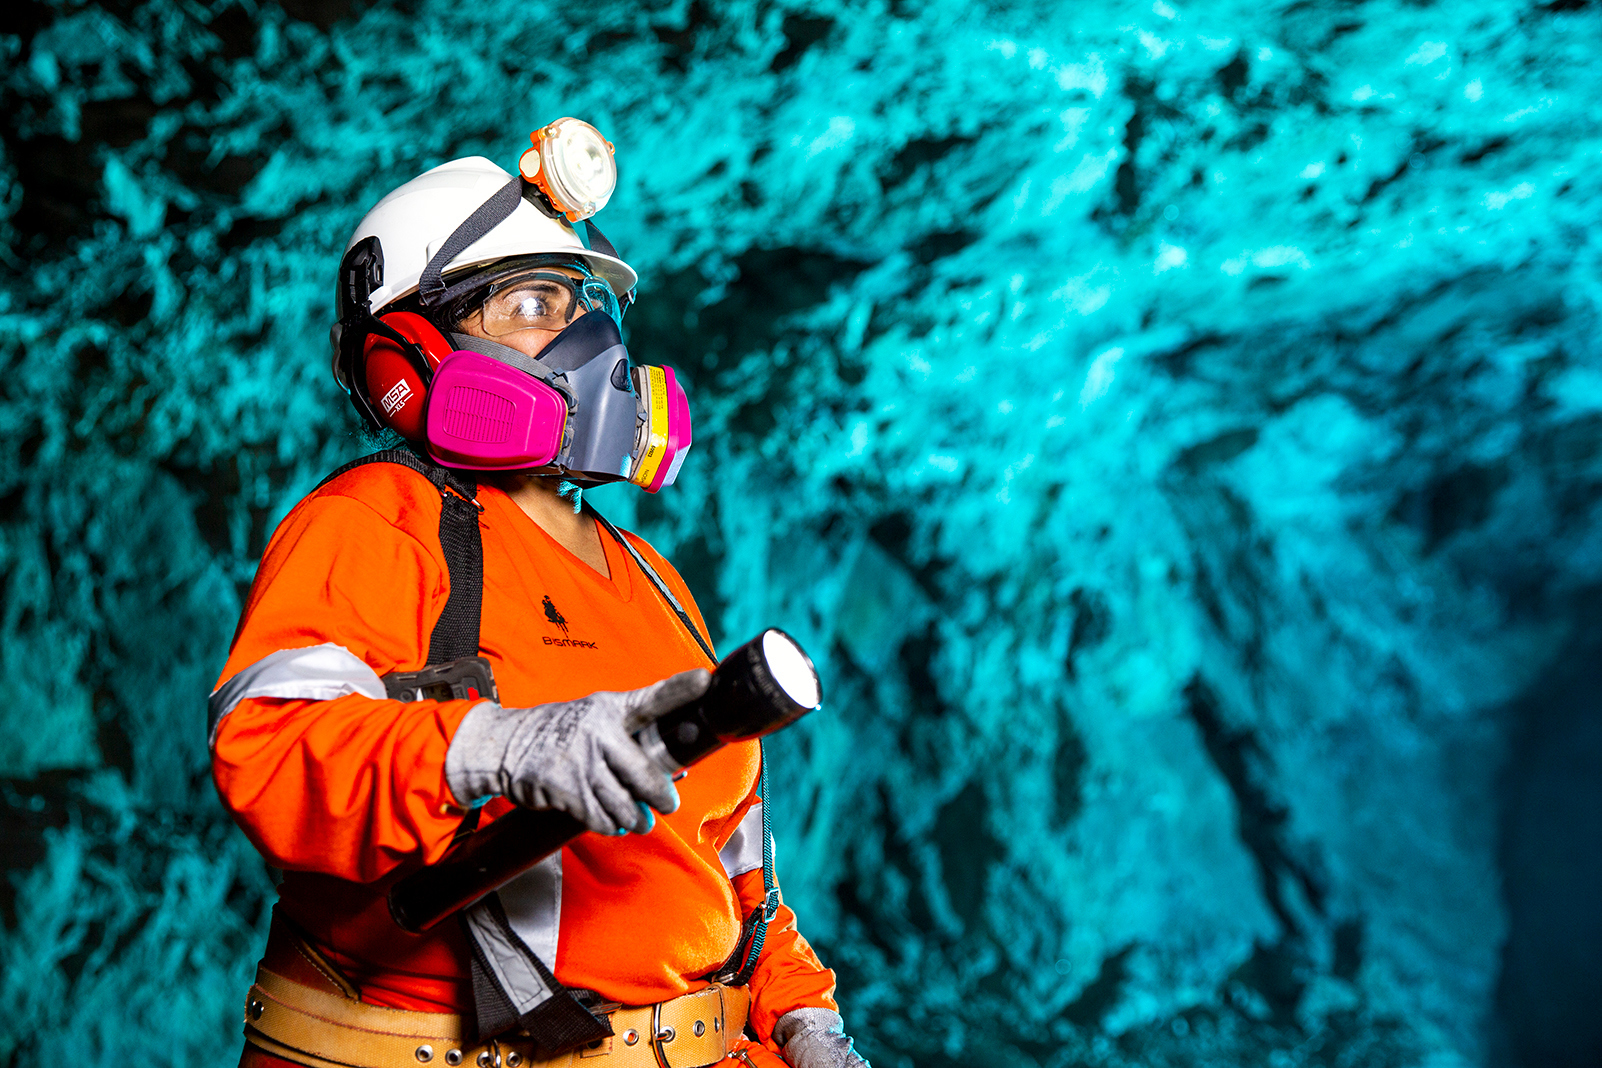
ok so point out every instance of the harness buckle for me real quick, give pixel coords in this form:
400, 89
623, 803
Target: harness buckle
770, 905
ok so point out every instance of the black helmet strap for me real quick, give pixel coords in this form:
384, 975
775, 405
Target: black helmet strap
431, 288
486, 217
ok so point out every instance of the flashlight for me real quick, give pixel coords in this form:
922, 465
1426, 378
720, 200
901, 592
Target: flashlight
763, 686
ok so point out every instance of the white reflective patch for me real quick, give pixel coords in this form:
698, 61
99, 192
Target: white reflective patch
317, 673
744, 851
517, 978
533, 905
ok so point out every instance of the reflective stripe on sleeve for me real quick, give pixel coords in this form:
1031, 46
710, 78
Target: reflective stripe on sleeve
743, 852
317, 673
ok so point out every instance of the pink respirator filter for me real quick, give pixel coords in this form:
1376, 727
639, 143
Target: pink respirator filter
484, 415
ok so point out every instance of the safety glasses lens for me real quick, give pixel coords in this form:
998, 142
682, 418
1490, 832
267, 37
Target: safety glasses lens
536, 303
545, 300
598, 296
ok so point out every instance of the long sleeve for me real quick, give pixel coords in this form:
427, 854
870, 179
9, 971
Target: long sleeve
349, 788
788, 974
321, 772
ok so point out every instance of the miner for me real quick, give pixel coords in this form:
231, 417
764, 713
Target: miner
444, 630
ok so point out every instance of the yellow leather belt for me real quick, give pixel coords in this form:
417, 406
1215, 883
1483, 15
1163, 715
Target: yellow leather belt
331, 1030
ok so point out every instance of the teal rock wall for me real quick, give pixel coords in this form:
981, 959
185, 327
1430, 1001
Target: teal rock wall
1175, 428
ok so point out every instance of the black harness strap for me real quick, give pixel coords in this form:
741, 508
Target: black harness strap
456, 632
563, 1021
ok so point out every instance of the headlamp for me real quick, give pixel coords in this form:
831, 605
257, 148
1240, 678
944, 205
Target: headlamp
572, 165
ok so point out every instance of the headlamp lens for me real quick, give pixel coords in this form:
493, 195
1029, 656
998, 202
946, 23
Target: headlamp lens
576, 166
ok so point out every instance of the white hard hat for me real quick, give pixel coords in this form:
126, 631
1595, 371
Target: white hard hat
414, 221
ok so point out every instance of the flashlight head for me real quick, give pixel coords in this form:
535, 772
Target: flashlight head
766, 684
791, 669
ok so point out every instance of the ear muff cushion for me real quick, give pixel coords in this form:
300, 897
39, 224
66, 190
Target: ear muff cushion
395, 383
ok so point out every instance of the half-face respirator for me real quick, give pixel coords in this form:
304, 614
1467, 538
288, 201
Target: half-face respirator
579, 408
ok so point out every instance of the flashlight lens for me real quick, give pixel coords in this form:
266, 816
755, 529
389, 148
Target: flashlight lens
790, 669
579, 167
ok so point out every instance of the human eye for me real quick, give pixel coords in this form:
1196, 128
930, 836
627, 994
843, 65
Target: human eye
534, 301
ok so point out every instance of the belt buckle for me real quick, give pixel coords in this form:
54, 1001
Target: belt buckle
659, 1035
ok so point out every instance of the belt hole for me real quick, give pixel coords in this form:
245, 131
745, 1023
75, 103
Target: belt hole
667, 1034
630, 1037
700, 1029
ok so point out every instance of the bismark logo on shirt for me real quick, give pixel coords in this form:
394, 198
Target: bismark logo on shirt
553, 614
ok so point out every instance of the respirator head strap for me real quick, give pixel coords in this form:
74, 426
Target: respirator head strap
513, 358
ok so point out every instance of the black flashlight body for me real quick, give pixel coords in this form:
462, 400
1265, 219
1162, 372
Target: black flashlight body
745, 700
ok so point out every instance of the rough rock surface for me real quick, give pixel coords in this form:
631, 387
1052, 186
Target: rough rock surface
1176, 428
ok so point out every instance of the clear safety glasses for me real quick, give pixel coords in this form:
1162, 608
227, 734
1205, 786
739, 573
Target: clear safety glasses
544, 300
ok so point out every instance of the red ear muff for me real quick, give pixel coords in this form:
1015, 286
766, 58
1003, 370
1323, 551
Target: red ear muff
397, 377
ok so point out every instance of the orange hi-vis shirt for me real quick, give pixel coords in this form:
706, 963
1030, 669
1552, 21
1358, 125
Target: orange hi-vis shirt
347, 794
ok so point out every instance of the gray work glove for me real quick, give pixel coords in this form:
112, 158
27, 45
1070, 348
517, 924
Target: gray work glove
815, 1038
576, 756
